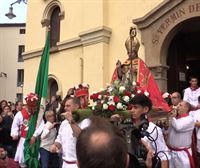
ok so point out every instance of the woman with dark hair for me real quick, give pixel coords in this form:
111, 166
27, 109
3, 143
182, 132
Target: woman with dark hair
2, 104
8, 142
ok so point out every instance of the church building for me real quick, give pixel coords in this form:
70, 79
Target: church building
88, 37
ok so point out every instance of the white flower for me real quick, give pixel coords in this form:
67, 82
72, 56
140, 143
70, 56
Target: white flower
126, 99
110, 89
105, 106
95, 104
119, 106
139, 91
100, 96
121, 89
132, 95
146, 93
93, 107
134, 83
111, 98
111, 102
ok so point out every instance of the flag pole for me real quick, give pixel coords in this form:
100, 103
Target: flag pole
31, 151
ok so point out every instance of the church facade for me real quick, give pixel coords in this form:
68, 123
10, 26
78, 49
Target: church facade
88, 37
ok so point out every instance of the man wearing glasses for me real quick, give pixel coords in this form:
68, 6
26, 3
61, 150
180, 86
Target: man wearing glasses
175, 99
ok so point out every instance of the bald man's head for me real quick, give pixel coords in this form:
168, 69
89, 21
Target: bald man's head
183, 107
101, 146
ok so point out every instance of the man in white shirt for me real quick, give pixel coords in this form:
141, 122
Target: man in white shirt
180, 138
192, 93
141, 106
68, 133
19, 130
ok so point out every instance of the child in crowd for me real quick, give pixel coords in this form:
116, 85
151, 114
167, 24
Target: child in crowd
47, 139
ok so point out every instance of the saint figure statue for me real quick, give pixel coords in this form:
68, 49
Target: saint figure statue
126, 73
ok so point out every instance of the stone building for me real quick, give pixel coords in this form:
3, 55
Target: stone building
87, 39
12, 40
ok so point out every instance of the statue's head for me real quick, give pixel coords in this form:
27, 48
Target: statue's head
132, 32
132, 44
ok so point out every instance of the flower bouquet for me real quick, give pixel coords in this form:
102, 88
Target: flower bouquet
115, 99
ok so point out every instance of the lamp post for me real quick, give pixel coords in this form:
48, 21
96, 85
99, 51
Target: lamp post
3, 75
10, 14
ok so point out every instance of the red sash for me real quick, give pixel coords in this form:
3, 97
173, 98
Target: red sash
70, 162
188, 154
26, 118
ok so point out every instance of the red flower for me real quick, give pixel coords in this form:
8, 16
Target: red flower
111, 107
94, 96
116, 99
137, 83
127, 93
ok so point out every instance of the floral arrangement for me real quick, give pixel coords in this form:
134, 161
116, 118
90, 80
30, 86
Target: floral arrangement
115, 98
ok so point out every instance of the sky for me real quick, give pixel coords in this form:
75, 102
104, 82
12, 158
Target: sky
18, 9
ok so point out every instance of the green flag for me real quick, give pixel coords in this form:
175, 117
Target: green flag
31, 151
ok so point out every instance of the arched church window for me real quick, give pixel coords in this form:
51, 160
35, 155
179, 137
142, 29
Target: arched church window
55, 27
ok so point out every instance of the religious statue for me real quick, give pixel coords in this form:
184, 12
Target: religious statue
132, 44
127, 72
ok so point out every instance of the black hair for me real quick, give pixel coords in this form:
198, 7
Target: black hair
2, 146
193, 77
142, 100
16, 103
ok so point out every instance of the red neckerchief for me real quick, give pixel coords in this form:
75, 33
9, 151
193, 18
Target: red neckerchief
194, 88
182, 115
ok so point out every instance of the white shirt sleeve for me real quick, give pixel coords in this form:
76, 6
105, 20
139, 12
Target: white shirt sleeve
184, 125
186, 96
59, 136
16, 125
39, 129
46, 130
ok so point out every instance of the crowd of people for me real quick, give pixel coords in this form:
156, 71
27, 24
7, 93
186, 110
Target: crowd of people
95, 142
